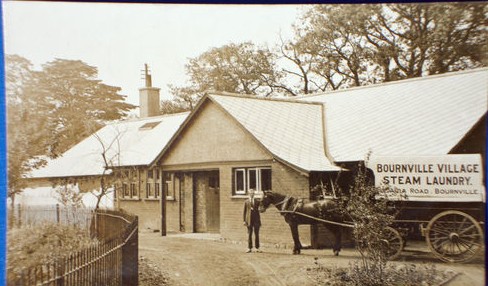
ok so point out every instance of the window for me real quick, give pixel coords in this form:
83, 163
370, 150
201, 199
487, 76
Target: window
125, 191
149, 193
133, 190
256, 178
240, 181
149, 125
169, 185
157, 174
149, 174
156, 190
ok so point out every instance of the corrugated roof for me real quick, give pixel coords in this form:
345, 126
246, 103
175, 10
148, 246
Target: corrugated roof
130, 144
422, 116
291, 131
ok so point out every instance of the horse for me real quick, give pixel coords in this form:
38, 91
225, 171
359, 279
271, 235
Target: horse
296, 212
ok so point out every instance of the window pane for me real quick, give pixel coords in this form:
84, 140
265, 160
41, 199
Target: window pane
265, 179
156, 190
239, 183
253, 179
125, 190
149, 193
133, 190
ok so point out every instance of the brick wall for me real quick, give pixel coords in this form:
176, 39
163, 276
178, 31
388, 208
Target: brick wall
213, 140
274, 229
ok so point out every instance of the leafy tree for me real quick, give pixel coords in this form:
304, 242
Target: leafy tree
238, 68
172, 106
26, 129
50, 110
351, 45
77, 100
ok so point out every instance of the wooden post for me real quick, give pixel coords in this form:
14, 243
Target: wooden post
163, 204
57, 213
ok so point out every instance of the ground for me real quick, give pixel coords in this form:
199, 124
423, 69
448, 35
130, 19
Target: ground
205, 259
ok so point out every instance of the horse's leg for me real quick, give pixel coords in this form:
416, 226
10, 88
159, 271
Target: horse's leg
296, 238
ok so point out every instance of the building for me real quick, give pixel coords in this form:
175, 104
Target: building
206, 161
129, 148
231, 143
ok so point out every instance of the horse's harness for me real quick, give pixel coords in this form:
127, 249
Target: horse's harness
284, 205
284, 211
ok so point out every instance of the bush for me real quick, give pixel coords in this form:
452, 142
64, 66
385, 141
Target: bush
29, 246
398, 275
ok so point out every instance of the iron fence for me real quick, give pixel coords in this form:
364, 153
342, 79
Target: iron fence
113, 260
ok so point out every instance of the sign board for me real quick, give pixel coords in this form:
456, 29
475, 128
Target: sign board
447, 178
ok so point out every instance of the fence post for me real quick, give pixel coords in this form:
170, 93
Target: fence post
57, 213
20, 215
130, 256
60, 271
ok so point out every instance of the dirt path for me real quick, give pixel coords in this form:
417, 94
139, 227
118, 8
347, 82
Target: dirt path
204, 260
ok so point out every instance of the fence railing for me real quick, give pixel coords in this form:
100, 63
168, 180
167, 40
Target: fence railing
113, 260
20, 215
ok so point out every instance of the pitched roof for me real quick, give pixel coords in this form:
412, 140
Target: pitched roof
129, 143
291, 131
421, 116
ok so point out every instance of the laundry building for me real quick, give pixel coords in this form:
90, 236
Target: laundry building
206, 161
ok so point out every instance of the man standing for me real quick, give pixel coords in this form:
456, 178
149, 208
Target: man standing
252, 219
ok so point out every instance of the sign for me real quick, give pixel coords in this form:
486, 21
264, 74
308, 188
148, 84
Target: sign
456, 178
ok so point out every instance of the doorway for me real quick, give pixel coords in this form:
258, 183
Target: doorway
207, 201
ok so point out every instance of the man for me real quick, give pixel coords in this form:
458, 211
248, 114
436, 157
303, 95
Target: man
252, 219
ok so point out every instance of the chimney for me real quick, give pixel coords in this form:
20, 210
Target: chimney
148, 97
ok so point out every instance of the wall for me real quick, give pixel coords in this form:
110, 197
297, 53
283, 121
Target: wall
213, 136
214, 141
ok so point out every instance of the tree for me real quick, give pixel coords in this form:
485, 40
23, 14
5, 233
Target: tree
49, 110
75, 97
352, 45
238, 68
26, 128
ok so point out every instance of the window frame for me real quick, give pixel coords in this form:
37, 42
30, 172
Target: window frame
169, 185
246, 171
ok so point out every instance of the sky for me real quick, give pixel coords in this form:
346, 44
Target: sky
119, 39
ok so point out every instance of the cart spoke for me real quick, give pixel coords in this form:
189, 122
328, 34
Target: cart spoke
468, 229
438, 229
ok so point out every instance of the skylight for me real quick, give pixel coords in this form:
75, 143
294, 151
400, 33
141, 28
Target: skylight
149, 125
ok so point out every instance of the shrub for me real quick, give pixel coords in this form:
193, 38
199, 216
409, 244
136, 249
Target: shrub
397, 275
29, 246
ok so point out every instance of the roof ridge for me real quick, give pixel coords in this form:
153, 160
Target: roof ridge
402, 81
248, 96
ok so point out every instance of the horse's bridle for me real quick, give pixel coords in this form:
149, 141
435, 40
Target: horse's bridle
282, 202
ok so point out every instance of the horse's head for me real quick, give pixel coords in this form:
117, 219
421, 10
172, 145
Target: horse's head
270, 198
265, 202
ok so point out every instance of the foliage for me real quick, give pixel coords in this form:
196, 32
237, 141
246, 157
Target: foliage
35, 245
370, 210
50, 110
68, 195
398, 275
351, 45
237, 68
26, 128
77, 101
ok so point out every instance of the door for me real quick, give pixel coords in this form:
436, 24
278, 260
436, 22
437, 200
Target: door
206, 201
213, 202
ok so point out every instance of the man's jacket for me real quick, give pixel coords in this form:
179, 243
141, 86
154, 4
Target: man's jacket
251, 215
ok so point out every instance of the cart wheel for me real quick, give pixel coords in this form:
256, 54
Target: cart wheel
392, 243
454, 236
